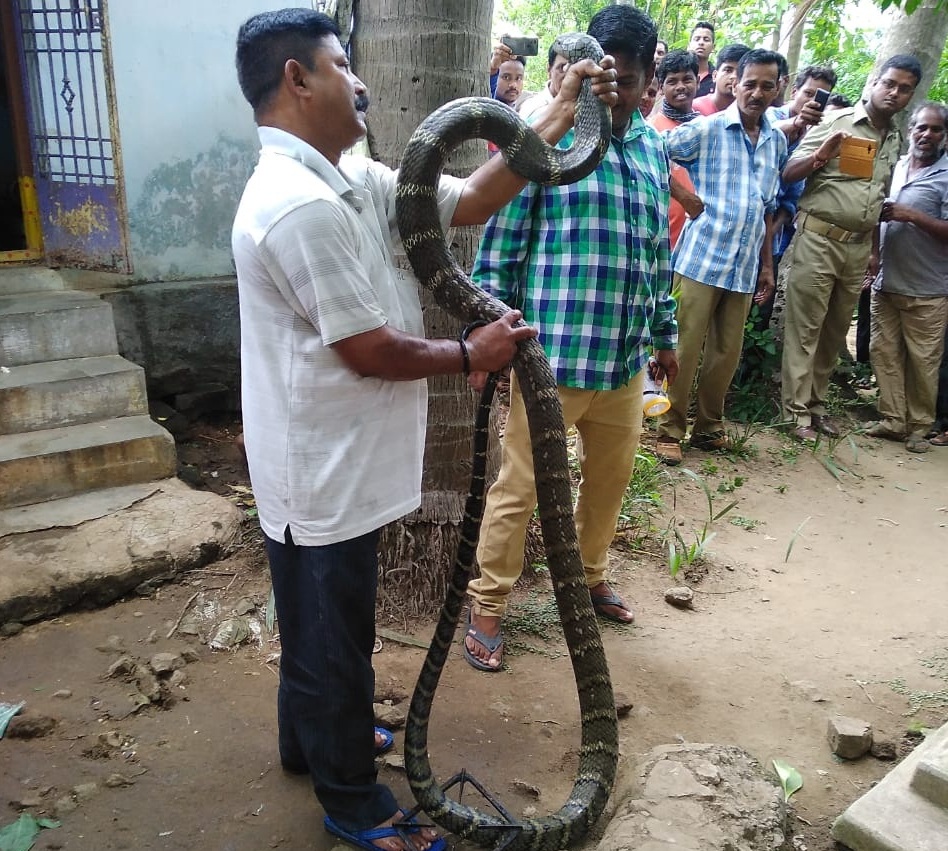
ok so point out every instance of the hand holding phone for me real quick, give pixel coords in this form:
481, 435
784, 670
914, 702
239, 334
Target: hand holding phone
521, 45
822, 98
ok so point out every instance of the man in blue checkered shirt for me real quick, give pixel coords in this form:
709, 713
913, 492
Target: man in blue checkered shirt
588, 264
723, 260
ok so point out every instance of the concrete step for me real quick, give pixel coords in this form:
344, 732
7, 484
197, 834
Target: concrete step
904, 811
67, 392
55, 463
46, 326
29, 279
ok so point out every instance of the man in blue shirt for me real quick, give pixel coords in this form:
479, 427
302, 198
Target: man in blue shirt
723, 260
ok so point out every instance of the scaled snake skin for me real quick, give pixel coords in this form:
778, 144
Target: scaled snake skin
420, 228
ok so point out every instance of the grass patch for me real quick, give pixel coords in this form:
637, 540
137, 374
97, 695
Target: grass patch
920, 699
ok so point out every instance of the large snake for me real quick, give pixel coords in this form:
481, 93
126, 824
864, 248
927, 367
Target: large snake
419, 224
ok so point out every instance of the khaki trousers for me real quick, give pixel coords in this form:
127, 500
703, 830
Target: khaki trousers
823, 286
710, 324
609, 423
905, 348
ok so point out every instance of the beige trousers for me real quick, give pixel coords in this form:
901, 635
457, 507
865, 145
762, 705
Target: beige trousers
823, 286
609, 423
710, 331
905, 347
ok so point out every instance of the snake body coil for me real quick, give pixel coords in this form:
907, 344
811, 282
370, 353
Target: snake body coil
417, 215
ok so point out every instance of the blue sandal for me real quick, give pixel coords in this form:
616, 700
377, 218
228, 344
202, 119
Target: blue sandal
387, 740
364, 838
491, 643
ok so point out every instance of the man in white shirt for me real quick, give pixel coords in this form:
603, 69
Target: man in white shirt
334, 362
555, 70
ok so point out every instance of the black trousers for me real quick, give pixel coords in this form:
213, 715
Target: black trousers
325, 604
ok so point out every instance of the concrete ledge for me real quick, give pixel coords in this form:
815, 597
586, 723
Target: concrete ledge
54, 463
893, 816
93, 563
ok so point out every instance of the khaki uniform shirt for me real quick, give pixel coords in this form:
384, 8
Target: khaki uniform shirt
852, 203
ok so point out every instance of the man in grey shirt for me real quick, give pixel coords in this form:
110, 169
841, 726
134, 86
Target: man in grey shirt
910, 297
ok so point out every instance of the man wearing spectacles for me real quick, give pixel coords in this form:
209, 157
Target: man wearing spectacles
847, 161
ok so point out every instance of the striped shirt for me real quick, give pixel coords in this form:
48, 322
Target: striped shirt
738, 184
589, 265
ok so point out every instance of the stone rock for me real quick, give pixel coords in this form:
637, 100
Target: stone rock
189, 654
624, 704
65, 805
394, 760
116, 781
121, 667
165, 663
28, 802
659, 803
10, 628
30, 727
390, 717
84, 791
681, 597
808, 690
884, 750
147, 683
62, 694
178, 679
113, 644
849, 738
112, 738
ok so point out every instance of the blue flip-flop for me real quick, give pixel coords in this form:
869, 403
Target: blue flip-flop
364, 838
491, 643
388, 739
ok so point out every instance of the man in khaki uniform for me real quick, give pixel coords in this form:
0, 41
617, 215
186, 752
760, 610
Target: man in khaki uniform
847, 161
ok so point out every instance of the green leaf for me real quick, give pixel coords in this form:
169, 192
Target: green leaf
7, 711
790, 779
21, 834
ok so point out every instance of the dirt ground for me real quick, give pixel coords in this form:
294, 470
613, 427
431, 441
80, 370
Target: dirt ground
851, 622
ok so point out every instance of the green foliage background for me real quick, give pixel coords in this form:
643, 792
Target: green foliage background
852, 52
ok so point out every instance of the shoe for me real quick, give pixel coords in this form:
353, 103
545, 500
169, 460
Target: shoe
824, 425
917, 444
388, 741
491, 643
805, 434
612, 600
940, 439
668, 451
711, 442
364, 838
880, 429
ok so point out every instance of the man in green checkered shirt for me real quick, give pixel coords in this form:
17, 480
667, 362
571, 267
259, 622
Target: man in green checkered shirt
588, 264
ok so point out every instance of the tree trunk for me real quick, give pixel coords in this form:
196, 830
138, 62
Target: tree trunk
795, 40
414, 56
922, 34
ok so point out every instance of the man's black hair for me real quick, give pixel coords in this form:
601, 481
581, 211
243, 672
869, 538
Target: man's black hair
758, 57
676, 62
626, 31
815, 72
783, 67
731, 53
661, 41
266, 42
551, 57
839, 101
903, 62
703, 25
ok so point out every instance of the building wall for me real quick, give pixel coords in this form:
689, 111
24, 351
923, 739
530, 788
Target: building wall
186, 137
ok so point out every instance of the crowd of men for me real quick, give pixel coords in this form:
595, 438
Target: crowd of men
754, 221
334, 359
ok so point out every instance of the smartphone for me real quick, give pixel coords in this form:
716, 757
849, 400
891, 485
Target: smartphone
521, 46
821, 97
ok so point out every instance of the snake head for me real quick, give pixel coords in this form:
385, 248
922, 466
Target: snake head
577, 46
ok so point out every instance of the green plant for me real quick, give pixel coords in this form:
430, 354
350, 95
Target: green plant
681, 554
708, 467
748, 523
731, 485
752, 397
793, 538
789, 777
643, 495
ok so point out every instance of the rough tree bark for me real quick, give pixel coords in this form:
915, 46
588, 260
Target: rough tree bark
415, 55
923, 34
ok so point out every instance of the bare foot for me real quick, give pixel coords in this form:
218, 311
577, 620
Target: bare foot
418, 838
610, 605
488, 626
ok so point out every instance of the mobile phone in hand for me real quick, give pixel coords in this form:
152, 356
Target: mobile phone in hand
822, 97
521, 46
